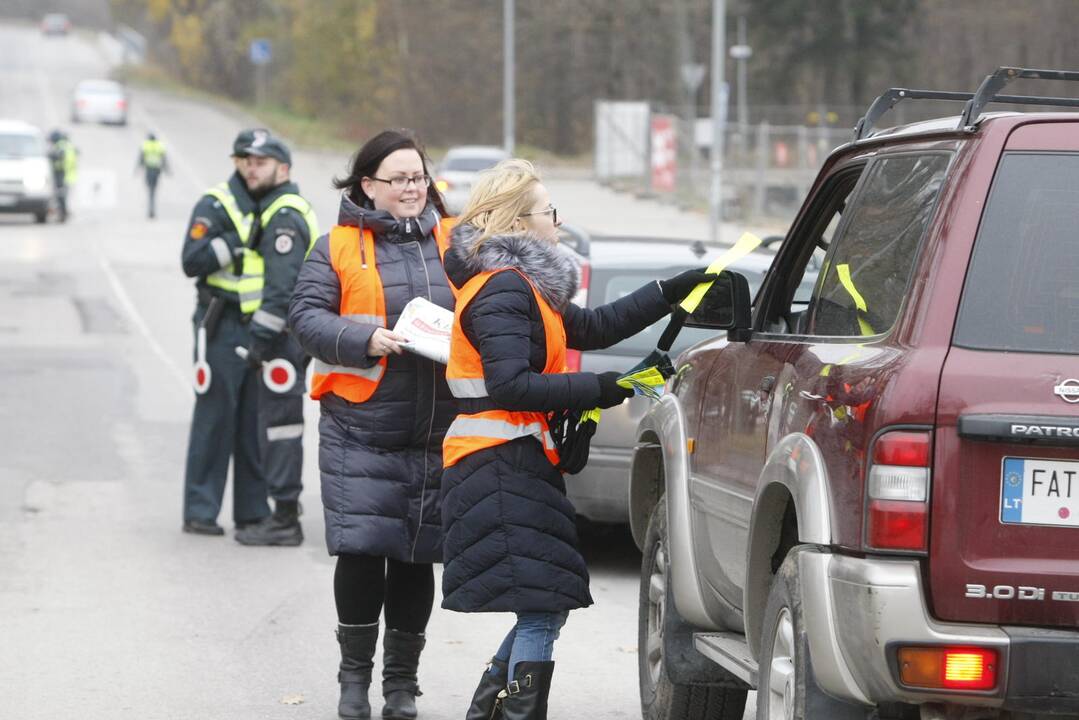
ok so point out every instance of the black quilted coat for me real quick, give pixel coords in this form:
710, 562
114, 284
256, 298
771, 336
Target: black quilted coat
510, 533
381, 460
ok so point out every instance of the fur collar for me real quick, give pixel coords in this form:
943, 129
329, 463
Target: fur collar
553, 272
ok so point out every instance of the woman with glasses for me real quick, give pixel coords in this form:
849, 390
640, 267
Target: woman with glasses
510, 538
384, 412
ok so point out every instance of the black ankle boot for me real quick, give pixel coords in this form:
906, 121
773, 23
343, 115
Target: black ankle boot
281, 528
357, 649
400, 660
492, 682
525, 698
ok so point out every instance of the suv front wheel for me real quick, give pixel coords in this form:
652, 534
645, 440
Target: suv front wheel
662, 699
787, 688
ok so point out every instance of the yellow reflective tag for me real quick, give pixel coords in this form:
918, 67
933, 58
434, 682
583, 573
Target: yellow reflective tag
745, 245
593, 415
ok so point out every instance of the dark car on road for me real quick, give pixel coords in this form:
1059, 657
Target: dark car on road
867, 505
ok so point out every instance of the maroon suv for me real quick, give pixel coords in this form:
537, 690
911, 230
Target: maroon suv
863, 501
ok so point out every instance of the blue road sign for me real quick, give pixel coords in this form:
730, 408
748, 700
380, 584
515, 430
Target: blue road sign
261, 53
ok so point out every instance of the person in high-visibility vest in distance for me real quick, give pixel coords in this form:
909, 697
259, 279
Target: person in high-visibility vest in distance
510, 540
64, 159
384, 412
224, 425
153, 160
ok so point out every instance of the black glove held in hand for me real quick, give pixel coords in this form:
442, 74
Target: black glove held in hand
257, 352
676, 288
610, 392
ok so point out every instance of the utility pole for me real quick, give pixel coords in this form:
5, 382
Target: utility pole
508, 70
719, 30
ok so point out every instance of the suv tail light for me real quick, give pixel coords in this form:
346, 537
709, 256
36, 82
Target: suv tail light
898, 491
949, 668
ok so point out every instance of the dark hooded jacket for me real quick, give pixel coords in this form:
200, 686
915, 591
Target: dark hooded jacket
510, 533
380, 460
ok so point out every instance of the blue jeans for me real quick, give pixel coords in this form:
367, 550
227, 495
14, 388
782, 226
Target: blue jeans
531, 639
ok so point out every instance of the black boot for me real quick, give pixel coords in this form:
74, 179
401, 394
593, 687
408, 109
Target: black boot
357, 650
281, 528
492, 682
400, 659
525, 698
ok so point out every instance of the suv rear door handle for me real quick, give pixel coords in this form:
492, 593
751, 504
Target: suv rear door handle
767, 383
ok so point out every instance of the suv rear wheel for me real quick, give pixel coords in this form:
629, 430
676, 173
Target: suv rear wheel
662, 699
786, 687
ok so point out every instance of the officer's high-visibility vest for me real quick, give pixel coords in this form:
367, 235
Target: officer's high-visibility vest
248, 286
68, 162
464, 374
153, 154
362, 300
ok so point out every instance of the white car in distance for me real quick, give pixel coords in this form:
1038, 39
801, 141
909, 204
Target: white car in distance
103, 101
458, 169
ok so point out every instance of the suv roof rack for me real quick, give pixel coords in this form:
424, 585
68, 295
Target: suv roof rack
987, 92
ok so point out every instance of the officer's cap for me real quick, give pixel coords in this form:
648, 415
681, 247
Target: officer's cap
245, 138
263, 144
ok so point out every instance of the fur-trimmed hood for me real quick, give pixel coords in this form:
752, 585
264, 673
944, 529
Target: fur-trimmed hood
552, 271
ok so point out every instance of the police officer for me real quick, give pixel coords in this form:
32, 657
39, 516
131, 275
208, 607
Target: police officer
64, 158
287, 230
153, 160
225, 420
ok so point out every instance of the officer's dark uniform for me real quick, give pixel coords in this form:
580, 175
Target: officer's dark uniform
287, 231
225, 421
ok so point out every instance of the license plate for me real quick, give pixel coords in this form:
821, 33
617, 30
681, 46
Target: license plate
1039, 492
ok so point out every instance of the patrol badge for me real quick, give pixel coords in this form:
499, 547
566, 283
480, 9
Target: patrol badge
283, 244
198, 230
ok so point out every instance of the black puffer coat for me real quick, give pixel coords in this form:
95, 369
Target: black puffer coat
510, 532
381, 460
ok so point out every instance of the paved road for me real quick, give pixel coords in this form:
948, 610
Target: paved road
106, 609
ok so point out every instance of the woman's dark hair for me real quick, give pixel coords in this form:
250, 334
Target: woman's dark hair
367, 159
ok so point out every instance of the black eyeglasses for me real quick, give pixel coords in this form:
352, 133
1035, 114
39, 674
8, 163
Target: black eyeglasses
400, 182
552, 210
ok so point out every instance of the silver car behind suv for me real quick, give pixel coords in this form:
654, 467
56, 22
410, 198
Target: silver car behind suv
613, 267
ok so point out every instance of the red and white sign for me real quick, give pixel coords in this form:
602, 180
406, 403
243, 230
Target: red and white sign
279, 375
203, 374
664, 152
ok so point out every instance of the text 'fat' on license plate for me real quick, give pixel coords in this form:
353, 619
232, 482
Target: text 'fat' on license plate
1039, 492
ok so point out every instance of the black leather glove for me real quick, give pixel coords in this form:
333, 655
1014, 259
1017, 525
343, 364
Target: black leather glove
257, 352
610, 392
676, 288
573, 455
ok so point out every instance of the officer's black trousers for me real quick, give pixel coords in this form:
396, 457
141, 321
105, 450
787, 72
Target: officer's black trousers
281, 424
152, 176
226, 425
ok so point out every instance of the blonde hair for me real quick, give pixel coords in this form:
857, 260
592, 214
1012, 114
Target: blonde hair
500, 196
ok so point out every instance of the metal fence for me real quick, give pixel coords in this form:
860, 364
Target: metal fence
767, 169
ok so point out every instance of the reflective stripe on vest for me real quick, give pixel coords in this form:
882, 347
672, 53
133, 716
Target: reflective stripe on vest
861, 309
464, 374
362, 301
153, 154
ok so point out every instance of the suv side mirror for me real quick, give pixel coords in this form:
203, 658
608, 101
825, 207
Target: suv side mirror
725, 306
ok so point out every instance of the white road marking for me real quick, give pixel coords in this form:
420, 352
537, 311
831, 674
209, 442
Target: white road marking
182, 377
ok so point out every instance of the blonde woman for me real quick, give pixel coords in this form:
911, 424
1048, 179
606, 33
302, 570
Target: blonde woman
510, 541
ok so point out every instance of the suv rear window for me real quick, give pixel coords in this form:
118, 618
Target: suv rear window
1022, 288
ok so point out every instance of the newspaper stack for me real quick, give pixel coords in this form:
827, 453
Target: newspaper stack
427, 327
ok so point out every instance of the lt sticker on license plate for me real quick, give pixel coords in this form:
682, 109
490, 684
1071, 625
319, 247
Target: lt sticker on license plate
1039, 492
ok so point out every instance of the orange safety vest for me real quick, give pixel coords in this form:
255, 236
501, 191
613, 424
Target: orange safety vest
464, 374
362, 300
